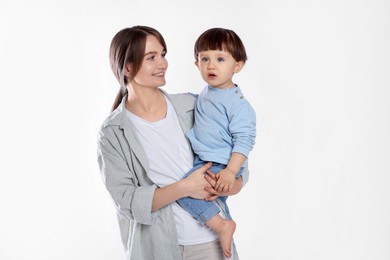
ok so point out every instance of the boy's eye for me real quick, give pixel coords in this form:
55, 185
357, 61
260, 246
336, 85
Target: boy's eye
204, 59
220, 59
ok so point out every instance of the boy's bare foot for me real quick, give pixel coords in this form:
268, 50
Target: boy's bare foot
225, 230
226, 236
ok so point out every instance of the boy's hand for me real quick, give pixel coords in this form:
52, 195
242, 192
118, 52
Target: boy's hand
212, 180
225, 180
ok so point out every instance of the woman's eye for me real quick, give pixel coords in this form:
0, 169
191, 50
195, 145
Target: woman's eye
164, 54
151, 57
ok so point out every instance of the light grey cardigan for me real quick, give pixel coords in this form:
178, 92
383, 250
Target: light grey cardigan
124, 166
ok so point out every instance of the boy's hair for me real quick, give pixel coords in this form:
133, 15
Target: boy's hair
221, 39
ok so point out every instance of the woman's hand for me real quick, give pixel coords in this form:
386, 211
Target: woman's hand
212, 180
196, 184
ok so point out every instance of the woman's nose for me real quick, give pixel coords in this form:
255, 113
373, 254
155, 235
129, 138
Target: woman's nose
163, 63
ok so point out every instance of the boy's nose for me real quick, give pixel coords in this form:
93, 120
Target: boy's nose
210, 65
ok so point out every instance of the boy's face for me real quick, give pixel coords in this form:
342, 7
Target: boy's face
217, 68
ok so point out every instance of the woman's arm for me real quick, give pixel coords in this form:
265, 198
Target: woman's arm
193, 186
130, 199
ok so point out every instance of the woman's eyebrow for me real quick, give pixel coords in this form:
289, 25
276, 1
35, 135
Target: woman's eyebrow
151, 52
155, 52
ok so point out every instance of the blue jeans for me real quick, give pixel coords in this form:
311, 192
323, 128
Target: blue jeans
203, 210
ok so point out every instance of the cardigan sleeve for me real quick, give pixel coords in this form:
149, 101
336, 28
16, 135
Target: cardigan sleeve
131, 199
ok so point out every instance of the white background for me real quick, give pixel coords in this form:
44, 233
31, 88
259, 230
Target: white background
318, 76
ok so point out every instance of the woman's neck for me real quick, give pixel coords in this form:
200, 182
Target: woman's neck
147, 103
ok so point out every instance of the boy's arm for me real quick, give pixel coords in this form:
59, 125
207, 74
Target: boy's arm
226, 177
235, 163
236, 187
242, 126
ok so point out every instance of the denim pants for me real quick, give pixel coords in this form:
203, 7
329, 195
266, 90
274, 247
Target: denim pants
203, 210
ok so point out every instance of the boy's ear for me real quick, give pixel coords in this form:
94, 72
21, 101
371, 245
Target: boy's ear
196, 63
239, 65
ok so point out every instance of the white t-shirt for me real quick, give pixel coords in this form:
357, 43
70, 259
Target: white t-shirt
170, 157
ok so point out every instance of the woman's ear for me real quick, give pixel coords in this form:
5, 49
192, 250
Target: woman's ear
239, 65
127, 70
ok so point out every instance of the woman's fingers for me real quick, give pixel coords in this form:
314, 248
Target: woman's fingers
210, 177
206, 167
213, 193
212, 197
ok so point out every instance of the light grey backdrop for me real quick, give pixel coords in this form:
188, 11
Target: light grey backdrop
318, 76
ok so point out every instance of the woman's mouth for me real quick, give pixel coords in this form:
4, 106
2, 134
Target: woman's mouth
160, 74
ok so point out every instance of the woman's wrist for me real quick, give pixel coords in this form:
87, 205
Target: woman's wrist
168, 194
183, 188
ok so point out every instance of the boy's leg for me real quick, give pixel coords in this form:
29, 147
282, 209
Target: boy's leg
201, 210
224, 198
206, 212
225, 230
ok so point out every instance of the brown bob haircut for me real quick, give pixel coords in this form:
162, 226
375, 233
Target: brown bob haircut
221, 39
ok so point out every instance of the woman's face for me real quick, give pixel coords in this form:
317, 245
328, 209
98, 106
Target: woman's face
154, 65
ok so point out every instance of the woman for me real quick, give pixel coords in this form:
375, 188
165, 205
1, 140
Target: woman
143, 154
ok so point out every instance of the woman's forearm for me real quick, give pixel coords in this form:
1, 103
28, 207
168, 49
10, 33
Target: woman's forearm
192, 186
168, 194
